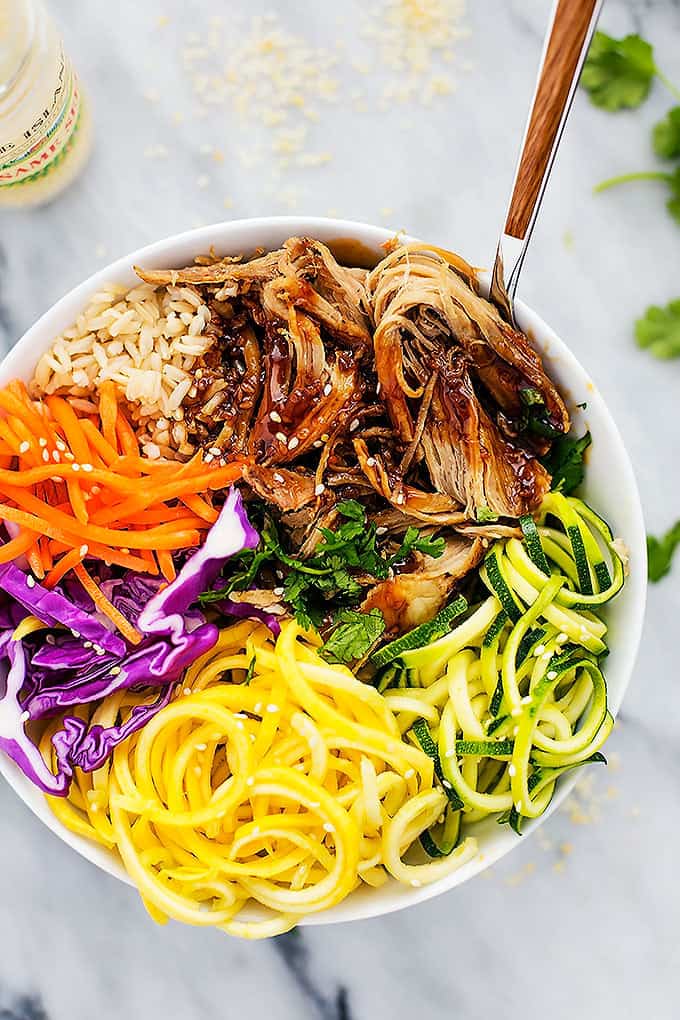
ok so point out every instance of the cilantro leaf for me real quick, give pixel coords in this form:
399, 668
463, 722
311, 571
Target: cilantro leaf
412, 542
666, 135
354, 633
565, 462
483, 514
658, 331
660, 552
618, 73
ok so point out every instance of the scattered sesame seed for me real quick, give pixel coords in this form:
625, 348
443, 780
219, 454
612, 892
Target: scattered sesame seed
527, 699
561, 639
446, 784
552, 674
24, 447
515, 712
281, 436
278, 590
416, 883
327, 390
215, 450
370, 462
42, 441
201, 747
325, 437
86, 467
319, 489
518, 807
354, 424
512, 770
275, 416
538, 650
25, 716
273, 708
83, 551
293, 442
187, 691
60, 445
409, 774
329, 827
279, 478
30, 581
56, 456
46, 455
250, 781
75, 467
76, 633
381, 530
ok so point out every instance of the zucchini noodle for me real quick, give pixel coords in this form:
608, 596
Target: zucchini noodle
513, 696
285, 792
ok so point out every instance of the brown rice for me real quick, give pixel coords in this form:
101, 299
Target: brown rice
149, 341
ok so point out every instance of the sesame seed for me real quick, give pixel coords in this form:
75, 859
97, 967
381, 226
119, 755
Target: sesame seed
279, 478
215, 450
317, 444
325, 437
30, 581
515, 712
273, 708
56, 456
46, 455
552, 674
526, 700
400, 498
327, 390
446, 784
86, 467
293, 442
25, 716
95, 490
278, 590
409, 774
83, 550
512, 770
416, 883
281, 436
275, 416
538, 650
69, 456
187, 691
60, 445
42, 441
329, 827
515, 731
319, 489
381, 530
76, 633
354, 424
561, 639
75, 467
450, 753
98, 649
250, 781
208, 459
24, 447
518, 807
201, 747
370, 462
258, 708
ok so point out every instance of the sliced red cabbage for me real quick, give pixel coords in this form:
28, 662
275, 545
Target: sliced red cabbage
231, 533
55, 609
88, 662
247, 611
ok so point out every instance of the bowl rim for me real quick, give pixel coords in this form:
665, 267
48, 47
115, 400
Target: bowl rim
226, 235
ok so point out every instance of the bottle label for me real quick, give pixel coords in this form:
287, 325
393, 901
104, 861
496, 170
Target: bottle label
45, 142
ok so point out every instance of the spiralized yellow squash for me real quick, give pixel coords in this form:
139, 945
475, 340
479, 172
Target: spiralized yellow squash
273, 779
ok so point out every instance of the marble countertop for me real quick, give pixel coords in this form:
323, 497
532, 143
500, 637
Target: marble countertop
582, 920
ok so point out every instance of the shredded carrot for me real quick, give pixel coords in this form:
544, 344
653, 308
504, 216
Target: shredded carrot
67, 562
108, 412
100, 600
200, 507
72, 477
17, 546
167, 565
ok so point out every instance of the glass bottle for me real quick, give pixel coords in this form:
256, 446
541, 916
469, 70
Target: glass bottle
44, 122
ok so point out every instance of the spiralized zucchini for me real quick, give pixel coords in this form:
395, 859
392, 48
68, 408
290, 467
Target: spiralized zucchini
513, 696
286, 791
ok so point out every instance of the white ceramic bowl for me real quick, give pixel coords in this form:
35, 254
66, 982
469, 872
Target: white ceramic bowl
610, 486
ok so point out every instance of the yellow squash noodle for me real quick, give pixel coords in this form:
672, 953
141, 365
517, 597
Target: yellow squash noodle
270, 788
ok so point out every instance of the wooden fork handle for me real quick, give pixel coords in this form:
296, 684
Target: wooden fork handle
572, 27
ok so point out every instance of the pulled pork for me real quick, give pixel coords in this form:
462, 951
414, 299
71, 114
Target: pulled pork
400, 386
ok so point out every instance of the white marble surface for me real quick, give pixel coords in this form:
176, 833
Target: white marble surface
583, 920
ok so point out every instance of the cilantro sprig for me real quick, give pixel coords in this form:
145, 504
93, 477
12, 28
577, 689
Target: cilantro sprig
658, 330
660, 552
618, 73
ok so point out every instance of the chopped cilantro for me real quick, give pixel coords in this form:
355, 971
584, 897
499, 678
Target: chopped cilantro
354, 633
565, 462
618, 73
